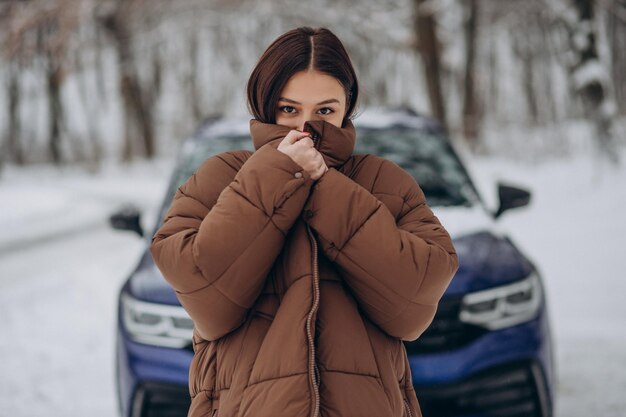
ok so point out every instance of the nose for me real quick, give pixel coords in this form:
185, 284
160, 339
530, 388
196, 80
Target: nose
304, 117
300, 124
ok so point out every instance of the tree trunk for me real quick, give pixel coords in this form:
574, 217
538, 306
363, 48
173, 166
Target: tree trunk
13, 148
428, 48
90, 106
137, 106
544, 78
55, 111
191, 80
592, 88
471, 122
617, 36
47, 34
524, 52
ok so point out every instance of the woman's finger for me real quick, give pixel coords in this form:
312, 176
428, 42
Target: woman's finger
306, 141
294, 136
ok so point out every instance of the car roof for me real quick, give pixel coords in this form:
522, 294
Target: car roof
380, 118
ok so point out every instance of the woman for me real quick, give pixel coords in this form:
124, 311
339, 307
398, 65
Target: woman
303, 267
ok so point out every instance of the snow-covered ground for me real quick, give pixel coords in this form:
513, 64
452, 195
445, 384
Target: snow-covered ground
575, 230
61, 267
58, 295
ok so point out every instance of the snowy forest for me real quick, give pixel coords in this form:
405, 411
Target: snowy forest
87, 80
97, 97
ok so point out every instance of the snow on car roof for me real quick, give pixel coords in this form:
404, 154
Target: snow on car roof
377, 118
226, 126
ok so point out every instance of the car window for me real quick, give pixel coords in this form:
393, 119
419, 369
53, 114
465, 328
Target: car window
193, 154
426, 155
196, 152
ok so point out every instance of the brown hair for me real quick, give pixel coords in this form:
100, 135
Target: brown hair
298, 50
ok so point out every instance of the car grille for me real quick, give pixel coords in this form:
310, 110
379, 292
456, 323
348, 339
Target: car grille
446, 332
507, 391
154, 399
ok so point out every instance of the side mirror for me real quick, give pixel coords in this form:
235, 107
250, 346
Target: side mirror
127, 218
511, 197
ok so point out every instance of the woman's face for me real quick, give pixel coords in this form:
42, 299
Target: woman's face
311, 95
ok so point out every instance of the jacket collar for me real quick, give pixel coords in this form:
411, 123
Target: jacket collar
336, 144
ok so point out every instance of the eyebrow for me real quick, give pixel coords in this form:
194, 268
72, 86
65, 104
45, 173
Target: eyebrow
330, 100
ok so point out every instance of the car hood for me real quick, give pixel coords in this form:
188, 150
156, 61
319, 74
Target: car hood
487, 258
147, 283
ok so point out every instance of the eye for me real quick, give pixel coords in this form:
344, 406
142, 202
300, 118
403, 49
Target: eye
287, 109
328, 112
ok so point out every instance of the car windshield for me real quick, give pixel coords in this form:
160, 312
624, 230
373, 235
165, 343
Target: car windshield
199, 150
423, 153
426, 155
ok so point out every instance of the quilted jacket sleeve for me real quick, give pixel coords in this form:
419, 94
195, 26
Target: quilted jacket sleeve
223, 231
397, 271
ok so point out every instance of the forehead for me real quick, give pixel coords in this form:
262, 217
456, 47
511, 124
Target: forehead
312, 86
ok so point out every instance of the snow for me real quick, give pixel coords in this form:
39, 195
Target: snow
228, 126
58, 290
592, 71
43, 201
575, 230
376, 117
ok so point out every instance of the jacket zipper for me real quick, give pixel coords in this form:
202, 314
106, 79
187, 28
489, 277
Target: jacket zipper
314, 135
316, 140
312, 363
408, 407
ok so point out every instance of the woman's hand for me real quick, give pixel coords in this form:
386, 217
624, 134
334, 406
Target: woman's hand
299, 147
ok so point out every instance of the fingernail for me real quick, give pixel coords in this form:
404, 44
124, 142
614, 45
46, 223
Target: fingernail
308, 133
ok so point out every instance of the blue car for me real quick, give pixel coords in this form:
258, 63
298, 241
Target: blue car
488, 351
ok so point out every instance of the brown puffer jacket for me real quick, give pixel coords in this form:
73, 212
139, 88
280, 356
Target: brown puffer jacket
302, 291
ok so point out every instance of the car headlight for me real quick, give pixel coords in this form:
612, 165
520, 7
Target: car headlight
156, 324
503, 306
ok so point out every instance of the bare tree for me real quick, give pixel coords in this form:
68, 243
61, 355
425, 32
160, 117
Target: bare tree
191, 79
588, 73
590, 77
40, 29
11, 148
407, 52
524, 50
138, 99
471, 111
617, 38
429, 49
